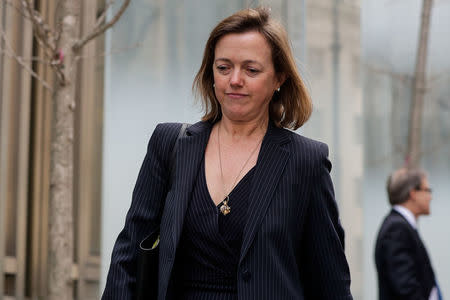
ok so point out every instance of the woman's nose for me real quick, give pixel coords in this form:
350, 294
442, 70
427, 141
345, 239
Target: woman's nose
236, 78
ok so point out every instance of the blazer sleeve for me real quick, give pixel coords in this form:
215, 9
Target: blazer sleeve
143, 216
324, 266
397, 247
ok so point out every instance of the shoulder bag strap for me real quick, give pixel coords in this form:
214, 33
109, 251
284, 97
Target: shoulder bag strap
173, 156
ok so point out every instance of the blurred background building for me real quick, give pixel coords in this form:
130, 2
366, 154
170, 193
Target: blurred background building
356, 57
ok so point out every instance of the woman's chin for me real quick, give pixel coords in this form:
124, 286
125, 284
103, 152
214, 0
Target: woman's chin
237, 116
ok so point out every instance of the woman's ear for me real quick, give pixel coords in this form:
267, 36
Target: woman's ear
281, 79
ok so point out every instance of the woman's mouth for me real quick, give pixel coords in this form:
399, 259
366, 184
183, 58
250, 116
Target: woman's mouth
235, 95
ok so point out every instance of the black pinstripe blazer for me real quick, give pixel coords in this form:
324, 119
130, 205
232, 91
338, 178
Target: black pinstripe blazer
293, 243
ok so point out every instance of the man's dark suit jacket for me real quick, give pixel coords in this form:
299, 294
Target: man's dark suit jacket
403, 265
293, 243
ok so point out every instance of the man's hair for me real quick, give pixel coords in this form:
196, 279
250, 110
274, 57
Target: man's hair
291, 107
401, 182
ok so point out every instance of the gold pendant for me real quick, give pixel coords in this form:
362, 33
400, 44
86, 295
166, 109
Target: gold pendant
225, 209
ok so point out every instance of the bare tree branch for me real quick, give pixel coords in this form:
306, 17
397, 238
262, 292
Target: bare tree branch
102, 17
101, 29
26, 59
419, 88
53, 59
18, 9
47, 51
41, 29
112, 52
10, 53
46, 38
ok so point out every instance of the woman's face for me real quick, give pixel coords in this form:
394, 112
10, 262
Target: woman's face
244, 76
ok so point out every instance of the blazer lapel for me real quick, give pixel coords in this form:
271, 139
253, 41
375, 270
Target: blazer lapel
190, 152
271, 163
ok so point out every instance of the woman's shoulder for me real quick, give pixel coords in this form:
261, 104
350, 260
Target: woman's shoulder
198, 127
162, 128
164, 135
308, 145
309, 153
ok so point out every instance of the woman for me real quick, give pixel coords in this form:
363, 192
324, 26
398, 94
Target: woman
249, 212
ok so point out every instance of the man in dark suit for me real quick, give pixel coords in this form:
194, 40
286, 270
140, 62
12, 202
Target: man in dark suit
403, 265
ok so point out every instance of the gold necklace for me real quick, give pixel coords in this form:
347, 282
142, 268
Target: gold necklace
225, 209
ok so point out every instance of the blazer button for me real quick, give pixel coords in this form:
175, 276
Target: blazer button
246, 275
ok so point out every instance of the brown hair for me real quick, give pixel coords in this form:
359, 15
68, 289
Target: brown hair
291, 107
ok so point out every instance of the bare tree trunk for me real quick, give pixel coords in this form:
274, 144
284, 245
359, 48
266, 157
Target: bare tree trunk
415, 121
61, 240
62, 46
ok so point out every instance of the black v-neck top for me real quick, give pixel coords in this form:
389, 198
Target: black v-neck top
210, 244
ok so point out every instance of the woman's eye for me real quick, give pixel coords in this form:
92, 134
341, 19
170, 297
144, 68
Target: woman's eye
253, 71
222, 68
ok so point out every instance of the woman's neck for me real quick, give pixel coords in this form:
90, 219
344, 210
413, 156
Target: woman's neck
236, 131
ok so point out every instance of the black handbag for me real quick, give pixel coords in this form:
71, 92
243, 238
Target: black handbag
147, 274
148, 252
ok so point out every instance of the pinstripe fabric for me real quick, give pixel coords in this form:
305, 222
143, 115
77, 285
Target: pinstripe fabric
293, 243
211, 242
142, 217
207, 295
